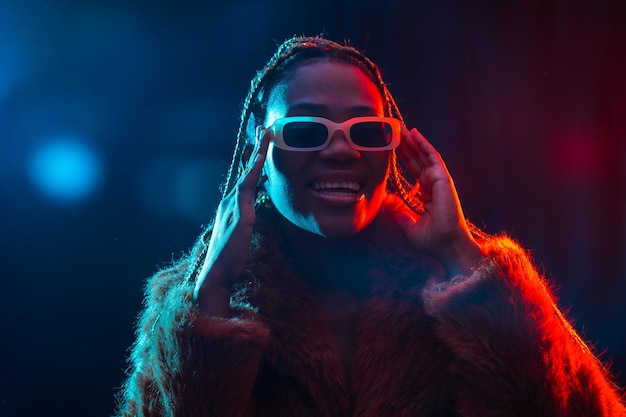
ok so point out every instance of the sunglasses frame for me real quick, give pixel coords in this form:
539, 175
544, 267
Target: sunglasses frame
277, 132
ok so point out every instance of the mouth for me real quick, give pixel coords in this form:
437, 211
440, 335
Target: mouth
338, 193
347, 188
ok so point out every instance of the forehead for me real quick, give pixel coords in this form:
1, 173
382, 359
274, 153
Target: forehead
326, 86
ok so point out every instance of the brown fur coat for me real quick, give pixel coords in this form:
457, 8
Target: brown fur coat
490, 344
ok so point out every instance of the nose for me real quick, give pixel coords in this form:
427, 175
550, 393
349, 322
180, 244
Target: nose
339, 149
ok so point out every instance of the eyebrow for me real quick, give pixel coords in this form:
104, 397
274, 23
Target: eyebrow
320, 108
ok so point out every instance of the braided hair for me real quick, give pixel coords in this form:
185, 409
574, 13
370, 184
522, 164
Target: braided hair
291, 54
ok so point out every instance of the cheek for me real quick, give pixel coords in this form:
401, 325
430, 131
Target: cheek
380, 163
283, 170
278, 161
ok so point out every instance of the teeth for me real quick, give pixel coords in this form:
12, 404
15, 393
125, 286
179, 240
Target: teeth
336, 185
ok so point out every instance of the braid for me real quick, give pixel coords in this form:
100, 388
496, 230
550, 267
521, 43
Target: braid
289, 54
282, 54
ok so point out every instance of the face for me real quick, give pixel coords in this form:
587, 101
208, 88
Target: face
337, 191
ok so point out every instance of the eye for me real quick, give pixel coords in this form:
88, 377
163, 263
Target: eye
304, 134
371, 134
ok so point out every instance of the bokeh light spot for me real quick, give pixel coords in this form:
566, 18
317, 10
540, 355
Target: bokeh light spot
65, 169
179, 187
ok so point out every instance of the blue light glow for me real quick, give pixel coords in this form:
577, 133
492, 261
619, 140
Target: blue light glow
65, 170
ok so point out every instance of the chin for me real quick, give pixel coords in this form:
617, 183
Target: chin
339, 233
343, 224
327, 229
334, 224
341, 229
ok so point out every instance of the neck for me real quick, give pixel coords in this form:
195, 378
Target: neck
330, 265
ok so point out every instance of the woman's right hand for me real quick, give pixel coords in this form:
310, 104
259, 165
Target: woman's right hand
232, 231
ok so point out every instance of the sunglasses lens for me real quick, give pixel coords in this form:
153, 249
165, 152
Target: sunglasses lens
304, 134
371, 134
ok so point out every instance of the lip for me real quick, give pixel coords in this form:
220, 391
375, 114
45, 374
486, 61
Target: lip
338, 199
337, 176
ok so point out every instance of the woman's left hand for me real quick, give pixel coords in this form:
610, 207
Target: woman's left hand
441, 230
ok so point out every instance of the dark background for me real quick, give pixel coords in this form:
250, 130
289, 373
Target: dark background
117, 122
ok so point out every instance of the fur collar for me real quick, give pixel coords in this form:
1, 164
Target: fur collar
302, 350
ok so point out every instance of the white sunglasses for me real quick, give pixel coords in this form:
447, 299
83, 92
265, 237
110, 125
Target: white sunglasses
306, 133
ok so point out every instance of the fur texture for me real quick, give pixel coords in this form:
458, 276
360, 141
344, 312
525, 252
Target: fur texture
490, 344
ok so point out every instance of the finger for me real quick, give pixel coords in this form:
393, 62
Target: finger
265, 135
428, 158
430, 154
417, 142
411, 154
405, 151
250, 176
251, 149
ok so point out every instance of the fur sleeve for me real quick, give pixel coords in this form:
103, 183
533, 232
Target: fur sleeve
515, 353
186, 363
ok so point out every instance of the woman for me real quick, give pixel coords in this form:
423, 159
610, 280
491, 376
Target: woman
330, 284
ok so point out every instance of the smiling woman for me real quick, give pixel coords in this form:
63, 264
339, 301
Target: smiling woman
333, 284
305, 187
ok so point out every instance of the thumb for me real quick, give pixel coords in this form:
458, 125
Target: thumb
401, 214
